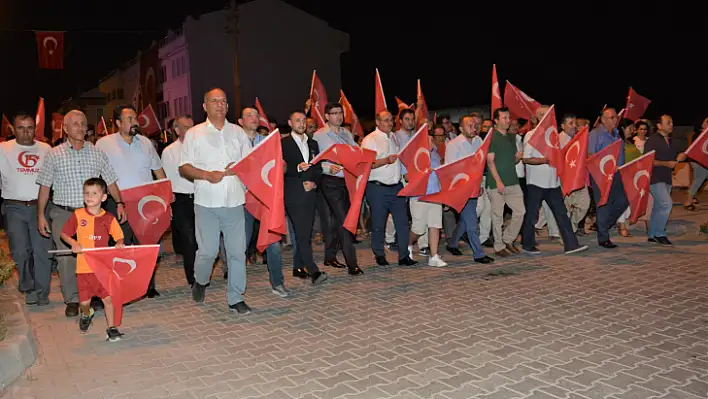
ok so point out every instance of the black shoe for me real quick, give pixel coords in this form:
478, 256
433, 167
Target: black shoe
608, 244
226, 275
301, 273
407, 261
335, 263
484, 259
240, 308
319, 277
381, 261
72, 310
454, 251
152, 293
96, 303
356, 271
113, 335
198, 292
652, 239
85, 321
531, 251
663, 241
489, 243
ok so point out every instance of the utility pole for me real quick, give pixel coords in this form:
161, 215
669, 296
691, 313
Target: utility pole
232, 29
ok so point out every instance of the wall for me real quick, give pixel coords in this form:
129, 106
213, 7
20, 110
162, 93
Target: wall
279, 46
176, 91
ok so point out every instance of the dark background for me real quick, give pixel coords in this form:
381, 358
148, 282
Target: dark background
578, 55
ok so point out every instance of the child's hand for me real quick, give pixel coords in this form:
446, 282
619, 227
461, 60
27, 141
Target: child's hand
120, 244
76, 248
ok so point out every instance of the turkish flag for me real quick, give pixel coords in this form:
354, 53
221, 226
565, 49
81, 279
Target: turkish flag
597, 166
124, 273
261, 171
318, 100
380, 98
401, 105
573, 173
101, 129
147, 121
636, 188
50, 49
350, 116
57, 126
7, 129
422, 114
544, 138
148, 209
698, 150
39, 119
519, 103
415, 155
636, 105
356, 185
496, 94
262, 118
330, 154
461, 180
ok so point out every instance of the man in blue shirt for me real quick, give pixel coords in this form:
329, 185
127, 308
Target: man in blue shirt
600, 137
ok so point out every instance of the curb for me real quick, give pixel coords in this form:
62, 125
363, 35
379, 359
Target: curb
18, 350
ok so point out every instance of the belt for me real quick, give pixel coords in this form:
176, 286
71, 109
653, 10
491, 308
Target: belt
330, 177
183, 195
378, 183
25, 203
66, 208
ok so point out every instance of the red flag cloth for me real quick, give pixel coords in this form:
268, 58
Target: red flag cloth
318, 100
461, 180
421, 112
544, 138
356, 184
147, 121
401, 105
148, 209
6, 127
573, 174
150, 66
636, 105
101, 129
698, 150
415, 155
496, 94
262, 118
261, 171
330, 154
125, 273
266, 235
39, 119
380, 98
519, 103
50, 49
57, 126
597, 166
350, 116
636, 188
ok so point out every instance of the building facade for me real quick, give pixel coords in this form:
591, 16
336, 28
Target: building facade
274, 62
92, 103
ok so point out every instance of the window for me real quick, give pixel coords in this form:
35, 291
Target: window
186, 105
183, 64
174, 69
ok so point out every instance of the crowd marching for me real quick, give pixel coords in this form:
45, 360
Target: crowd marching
487, 182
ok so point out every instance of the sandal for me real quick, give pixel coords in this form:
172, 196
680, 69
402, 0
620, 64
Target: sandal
691, 207
622, 229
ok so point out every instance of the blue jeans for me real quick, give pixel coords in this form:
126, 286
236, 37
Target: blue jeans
700, 175
661, 210
293, 242
468, 224
384, 200
274, 258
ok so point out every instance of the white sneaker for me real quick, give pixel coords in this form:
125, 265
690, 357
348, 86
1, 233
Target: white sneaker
436, 261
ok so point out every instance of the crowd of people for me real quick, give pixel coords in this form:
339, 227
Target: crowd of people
69, 196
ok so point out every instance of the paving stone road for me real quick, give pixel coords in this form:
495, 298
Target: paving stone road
626, 323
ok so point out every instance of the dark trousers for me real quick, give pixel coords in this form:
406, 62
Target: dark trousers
554, 198
184, 239
330, 234
302, 215
608, 214
336, 196
128, 235
384, 200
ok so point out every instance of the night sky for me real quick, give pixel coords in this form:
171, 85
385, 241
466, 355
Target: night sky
570, 55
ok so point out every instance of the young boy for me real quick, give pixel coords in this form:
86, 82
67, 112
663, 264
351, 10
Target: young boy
92, 227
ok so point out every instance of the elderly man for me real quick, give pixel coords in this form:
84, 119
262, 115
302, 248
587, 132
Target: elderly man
65, 169
21, 160
219, 197
134, 159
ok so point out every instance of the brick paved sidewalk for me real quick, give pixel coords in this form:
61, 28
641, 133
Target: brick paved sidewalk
626, 323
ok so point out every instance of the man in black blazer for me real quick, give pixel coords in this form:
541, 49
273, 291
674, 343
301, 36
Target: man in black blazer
300, 186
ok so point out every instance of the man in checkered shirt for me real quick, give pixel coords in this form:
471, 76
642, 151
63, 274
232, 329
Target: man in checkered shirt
65, 169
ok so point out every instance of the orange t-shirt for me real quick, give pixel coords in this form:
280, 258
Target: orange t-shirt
91, 231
